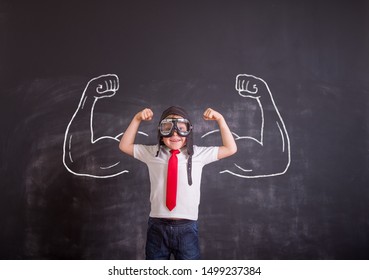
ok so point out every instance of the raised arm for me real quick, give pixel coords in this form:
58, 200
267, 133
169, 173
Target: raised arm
229, 146
267, 153
129, 136
83, 153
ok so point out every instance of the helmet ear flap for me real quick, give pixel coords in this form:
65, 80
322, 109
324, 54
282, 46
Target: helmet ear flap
190, 143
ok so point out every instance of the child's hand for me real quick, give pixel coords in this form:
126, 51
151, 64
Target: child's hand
212, 115
145, 115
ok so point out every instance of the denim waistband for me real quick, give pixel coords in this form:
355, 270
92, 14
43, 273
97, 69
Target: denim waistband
171, 221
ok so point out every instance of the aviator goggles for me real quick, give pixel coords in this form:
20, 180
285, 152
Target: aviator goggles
167, 127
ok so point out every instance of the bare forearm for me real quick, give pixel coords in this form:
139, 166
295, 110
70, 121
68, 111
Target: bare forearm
229, 146
129, 136
127, 142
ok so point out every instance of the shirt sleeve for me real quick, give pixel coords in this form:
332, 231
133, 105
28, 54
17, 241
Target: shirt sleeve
206, 154
144, 152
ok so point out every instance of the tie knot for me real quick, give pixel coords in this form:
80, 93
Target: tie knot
174, 152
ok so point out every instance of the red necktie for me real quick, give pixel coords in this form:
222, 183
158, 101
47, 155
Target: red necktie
172, 180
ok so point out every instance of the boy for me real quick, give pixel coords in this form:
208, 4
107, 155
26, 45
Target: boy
175, 185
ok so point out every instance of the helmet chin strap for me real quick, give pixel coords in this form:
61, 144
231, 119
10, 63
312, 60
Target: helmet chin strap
189, 170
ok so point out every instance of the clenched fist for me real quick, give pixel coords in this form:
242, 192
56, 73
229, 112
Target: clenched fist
212, 115
145, 115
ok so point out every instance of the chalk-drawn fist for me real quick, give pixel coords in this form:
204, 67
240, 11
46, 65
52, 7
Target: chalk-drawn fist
249, 86
103, 86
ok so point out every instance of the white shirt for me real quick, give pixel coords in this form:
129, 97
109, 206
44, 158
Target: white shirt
188, 197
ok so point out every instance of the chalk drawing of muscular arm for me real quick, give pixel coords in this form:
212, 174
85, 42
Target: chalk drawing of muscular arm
266, 153
83, 153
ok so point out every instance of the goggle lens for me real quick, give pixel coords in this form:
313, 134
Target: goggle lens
181, 126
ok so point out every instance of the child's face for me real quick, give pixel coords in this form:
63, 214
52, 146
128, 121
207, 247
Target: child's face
175, 142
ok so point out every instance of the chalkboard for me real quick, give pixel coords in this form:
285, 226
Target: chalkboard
290, 78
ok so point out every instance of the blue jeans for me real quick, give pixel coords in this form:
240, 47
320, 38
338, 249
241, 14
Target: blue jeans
177, 237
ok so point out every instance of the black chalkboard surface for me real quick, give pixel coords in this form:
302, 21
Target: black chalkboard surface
290, 77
